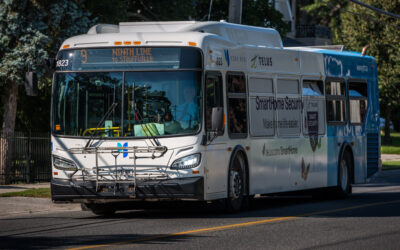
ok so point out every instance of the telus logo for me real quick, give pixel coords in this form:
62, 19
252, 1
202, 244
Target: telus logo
125, 151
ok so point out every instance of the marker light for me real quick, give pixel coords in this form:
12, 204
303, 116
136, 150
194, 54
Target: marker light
192, 44
64, 164
127, 43
137, 42
66, 46
186, 162
117, 43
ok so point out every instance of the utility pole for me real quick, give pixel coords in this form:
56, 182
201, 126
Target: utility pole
235, 11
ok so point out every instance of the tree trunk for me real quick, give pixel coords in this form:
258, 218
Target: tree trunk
387, 139
10, 111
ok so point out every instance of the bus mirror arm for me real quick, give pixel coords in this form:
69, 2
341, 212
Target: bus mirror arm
217, 126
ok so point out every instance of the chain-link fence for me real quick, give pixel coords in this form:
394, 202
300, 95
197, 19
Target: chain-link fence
25, 157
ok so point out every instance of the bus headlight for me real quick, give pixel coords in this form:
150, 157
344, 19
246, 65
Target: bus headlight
186, 162
64, 164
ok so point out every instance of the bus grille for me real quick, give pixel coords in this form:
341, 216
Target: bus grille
372, 153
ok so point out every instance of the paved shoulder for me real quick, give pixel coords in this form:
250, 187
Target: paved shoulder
390, 157
13, 206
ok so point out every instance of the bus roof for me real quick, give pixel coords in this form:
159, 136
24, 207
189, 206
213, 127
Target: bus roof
105, 34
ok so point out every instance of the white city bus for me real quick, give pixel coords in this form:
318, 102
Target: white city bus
207, 111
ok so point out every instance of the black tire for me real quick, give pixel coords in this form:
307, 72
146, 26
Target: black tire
99, 209
236, 184
343, 188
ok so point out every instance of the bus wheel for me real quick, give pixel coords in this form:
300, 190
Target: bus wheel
236, 184
98, 209
344, 183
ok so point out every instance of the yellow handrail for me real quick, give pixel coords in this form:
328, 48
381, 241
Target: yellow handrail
114, 129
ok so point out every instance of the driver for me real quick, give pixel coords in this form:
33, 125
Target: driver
188, 112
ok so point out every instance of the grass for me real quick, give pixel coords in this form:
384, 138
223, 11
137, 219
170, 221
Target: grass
37, 193
389, 165
394, 148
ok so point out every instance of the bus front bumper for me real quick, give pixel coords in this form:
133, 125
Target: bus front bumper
182, 188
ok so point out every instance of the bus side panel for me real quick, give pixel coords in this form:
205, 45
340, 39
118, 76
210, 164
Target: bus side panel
216, 171
363, 138
373, 124
281, 165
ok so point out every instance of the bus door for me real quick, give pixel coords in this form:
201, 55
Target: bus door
313, 166
336, 117
216, 153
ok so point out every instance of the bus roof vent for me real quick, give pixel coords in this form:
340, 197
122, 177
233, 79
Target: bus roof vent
329, 47
103, 28
154, 26
237, 33
241, 34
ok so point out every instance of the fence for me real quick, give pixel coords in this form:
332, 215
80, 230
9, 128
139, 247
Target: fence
25, 157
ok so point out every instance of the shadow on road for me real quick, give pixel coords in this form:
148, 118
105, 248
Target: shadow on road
43, 242
378, 199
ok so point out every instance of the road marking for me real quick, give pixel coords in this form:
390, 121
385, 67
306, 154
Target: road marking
231, 226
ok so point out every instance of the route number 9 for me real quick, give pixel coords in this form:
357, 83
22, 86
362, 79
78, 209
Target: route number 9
83, 56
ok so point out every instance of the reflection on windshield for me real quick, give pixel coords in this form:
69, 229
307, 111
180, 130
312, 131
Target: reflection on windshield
154, 103
81, 99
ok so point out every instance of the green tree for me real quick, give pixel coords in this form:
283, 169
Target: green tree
256, 12
328, 13
382, 34
355, 27
31, 30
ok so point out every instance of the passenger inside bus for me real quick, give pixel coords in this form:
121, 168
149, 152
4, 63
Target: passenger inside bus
187, 112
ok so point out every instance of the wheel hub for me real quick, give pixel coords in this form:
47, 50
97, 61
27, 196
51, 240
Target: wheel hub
236, 184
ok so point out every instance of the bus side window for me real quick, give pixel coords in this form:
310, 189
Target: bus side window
214, 95
314, 107
288, 107
335, 90
237, 105
358, 102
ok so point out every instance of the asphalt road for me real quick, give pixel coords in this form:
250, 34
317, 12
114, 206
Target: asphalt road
369, 219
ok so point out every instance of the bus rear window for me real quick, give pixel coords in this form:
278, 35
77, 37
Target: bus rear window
358, 102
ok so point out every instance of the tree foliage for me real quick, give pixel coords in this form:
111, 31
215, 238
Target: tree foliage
328, 13
382, 34
31, 30
34, 29
356, 26
255, 12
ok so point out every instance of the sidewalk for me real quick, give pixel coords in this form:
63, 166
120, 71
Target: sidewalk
17, 206
22, 187
390, 157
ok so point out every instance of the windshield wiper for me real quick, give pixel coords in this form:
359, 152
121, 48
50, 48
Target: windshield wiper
156, 142
105, 116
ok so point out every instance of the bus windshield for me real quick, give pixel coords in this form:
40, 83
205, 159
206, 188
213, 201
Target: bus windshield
149, 103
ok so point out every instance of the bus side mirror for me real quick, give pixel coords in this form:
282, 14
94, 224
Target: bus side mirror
31, 83
217, 119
